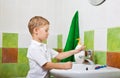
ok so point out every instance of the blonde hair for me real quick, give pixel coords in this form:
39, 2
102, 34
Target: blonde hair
37, 21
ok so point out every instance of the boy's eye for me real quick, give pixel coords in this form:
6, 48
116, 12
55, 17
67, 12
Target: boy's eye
46, 30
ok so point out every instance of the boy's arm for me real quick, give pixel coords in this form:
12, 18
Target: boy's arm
50, 65
63, 55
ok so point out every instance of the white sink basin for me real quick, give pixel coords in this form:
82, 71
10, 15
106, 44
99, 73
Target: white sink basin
86, 71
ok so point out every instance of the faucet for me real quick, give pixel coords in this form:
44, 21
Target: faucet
88, 57
90, 61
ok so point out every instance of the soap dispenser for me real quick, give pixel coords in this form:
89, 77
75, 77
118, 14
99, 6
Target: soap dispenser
79, 57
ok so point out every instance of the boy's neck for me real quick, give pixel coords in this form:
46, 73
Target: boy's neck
40, 41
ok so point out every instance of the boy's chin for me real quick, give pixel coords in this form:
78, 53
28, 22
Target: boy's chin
45, 40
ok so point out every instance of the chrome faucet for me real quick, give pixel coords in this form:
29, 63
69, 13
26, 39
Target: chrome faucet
90, 61
88, 57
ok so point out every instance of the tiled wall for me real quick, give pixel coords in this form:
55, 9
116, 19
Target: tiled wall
13, 60
113, 46
18, 69
9, 47
111, 56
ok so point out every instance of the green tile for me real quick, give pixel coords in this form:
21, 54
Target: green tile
13, 70
100, 57
9, 40
59, 41
22, 67
54, 60
8, 70
22, 55
89, 40
113, 39
22, 70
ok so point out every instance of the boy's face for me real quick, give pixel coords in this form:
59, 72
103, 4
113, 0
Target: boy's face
42, 33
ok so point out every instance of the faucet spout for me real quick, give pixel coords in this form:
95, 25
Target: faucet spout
90, 61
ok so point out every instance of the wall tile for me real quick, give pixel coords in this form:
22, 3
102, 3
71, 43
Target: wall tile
59, 41
9, 40
89, 40
22, 70
9, 55
113, 39
22, 56
113, 59
100, 57
8, 70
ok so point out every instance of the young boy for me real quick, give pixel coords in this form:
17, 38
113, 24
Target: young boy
39, 54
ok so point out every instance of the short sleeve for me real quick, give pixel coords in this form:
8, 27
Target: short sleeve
53, 53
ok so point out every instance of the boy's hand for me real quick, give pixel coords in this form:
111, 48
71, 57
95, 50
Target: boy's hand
83, 47
80, 49
68, 65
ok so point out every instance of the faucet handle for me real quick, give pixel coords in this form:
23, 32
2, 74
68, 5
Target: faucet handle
89, 52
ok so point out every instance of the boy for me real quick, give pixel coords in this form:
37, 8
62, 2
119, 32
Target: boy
39, 54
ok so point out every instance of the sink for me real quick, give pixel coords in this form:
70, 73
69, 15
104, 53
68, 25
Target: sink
86, 71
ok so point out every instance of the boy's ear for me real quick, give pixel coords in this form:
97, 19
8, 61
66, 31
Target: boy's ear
35, 30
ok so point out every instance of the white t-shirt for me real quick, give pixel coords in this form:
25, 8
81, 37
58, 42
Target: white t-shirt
38, 54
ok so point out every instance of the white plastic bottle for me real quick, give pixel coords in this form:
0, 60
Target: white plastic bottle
79, 57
